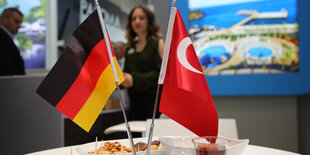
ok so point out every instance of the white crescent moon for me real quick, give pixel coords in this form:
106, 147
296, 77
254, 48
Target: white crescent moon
181, 53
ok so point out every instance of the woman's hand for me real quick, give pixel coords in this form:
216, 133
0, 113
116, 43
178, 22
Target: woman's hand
128, 82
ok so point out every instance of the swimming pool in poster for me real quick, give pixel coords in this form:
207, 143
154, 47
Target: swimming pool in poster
260, 51
213, 55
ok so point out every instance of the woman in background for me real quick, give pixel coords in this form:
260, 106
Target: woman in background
143, 61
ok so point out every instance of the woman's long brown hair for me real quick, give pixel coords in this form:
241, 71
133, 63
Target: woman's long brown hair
152, 27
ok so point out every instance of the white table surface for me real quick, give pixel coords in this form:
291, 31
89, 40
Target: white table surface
135, 126
259, 150
250, 150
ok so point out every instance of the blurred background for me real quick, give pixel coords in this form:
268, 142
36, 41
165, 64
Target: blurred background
269, 99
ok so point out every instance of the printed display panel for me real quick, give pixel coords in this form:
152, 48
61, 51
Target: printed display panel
262, 79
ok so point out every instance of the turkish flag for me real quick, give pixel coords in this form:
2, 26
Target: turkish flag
186, 97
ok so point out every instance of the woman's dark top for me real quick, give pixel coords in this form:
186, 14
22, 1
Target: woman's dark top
144, 66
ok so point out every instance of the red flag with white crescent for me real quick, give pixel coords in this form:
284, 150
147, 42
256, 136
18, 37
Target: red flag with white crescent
186, 97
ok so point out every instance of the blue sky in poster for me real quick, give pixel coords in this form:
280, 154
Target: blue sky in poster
207, 3
24, 5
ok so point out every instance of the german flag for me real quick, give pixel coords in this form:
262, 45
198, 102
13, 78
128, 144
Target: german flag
81, 81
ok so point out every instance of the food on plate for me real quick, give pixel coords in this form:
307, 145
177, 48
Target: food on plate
156, 142
117, 148
140, 146
111, 148
155, 145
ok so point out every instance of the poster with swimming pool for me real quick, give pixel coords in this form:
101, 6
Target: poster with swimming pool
31, 36
234, 37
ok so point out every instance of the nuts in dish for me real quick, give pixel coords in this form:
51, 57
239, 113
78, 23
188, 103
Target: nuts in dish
111, 148
117, 148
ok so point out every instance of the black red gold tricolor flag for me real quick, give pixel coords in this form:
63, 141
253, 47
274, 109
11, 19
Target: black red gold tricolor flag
81, 81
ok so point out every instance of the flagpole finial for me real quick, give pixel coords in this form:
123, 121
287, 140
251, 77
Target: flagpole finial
96, 2
173, 3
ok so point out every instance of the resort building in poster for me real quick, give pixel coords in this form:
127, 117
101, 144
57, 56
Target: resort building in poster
245, 37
